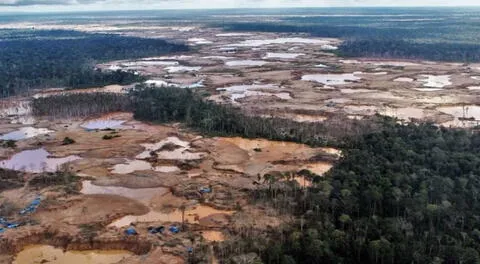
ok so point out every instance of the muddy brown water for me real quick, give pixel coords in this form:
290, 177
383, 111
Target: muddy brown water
48, 254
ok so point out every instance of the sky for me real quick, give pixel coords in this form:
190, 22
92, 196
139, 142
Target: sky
88, 5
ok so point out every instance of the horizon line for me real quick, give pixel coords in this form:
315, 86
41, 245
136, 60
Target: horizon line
232, 8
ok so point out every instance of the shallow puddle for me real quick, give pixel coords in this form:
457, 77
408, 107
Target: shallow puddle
131, 166
35, 161
103, 124
24, 133
48, 254
143, 195
467, 111
192, 215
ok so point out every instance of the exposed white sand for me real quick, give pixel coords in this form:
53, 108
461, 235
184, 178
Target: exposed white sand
218, 57
404, 113
167, 169
148, 63
466, 111
233, 34
435, 81
179, 69
236, 96
428, 89
331, 79
182, 152
394, 63
275, 55
237, 63
131, 166
404, 79
328, 47
243, 88
262, 42
160, 83
103, 124
353, 91
200, 41
241, 91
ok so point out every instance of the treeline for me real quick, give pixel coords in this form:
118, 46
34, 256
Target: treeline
405, 194
164, 105
40, 59
384, 48
80, 104
187, 106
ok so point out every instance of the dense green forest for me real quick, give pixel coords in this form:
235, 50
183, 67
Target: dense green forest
405, 194
39, 59
187, 106
80, 104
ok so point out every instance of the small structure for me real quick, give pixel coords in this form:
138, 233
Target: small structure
32, 207
205, 190
156, 230
131, 231
174, 229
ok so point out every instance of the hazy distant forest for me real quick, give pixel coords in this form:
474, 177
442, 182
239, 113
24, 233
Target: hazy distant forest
40, 59
434, 34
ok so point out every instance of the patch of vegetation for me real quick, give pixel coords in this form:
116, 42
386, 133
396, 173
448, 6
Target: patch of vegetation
8, 144
110, 136
63, 178
10, 179
169, 147
405, 194
68, 141
80, 104
89, 231
8, 208
56, 58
